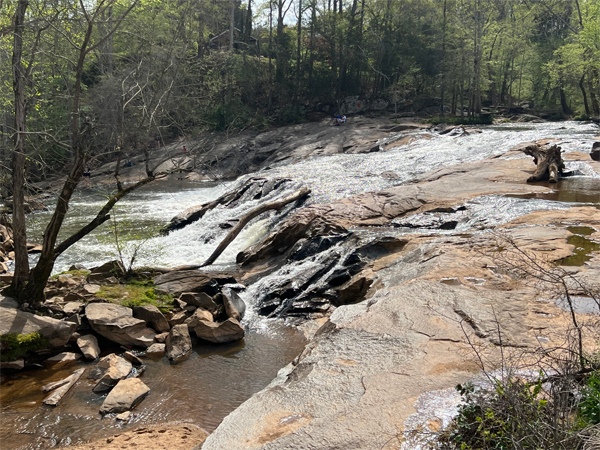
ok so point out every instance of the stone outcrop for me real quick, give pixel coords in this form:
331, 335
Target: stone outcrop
109, 371
227, 331
88, 345
179, 281
201, 300
124, 396
152, 316
117, 323
178, 346
57, 332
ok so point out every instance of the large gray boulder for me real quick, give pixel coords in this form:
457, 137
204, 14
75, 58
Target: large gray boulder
234, 305
116, 322
124, 396
178, 345
227, 331
201, 300
57, 332
152, 316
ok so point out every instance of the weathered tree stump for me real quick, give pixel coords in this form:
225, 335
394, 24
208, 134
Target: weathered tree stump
550, 165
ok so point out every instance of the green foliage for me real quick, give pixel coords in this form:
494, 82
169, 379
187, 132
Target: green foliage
15, 346
136, 293
231, 116
589, 406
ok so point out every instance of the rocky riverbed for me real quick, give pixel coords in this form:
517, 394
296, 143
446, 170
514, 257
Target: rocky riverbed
394, 288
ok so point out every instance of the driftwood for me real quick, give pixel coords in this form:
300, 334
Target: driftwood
550, 165
278, 204
63, 387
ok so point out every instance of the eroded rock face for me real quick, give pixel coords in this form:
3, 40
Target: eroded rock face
116, 322
178, 346
152, 316
57, 332
124, 396
227, 331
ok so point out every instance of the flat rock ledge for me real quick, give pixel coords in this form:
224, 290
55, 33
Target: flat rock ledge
116, 322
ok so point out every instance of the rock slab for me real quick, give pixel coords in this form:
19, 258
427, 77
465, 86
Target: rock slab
227, 331
152, 316
56, 331
116, 322
125, 396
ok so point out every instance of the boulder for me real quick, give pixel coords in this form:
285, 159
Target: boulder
178, 318
57, 332
88, 345
161, 338
179, 281
595, 153
124, 396
72, 308
178, 346
12, 365
91, 289
66, 281
106, 270
115, 369
133, 359
227, 331
201, 300
156, 349
152, 316
116, 322
63, 357
234, 305
199, 314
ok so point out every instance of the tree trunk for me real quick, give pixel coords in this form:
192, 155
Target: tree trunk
277, 204
549, 163
442, 63
18, 161
584, 95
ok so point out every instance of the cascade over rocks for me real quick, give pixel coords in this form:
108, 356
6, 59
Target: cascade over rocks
116, 322
234, 305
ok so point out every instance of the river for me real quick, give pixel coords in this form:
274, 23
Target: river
217, 379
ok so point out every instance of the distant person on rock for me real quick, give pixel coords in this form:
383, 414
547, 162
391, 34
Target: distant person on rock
87, 174
337, 120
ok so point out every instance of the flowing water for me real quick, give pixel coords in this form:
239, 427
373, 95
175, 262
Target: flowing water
217, 379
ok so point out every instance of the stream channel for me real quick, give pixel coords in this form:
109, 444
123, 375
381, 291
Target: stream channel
216, 379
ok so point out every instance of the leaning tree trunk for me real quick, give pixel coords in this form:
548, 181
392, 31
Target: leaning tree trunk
549, 163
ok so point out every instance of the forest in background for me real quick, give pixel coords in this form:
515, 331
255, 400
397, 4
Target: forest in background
155, 70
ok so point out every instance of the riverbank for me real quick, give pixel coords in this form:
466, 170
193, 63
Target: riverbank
400, 334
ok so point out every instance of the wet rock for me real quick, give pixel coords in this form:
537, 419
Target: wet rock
201, 300
199, 314
115, 322
595, 153
133, 359
156, 349
107, 270
177, 282
66, 384
88, 345
353, 291
124, 396
124, 416
178, 346
12, 365
227, 331
63, 357
115, 368
234, 305
306, 248
152, 316
57, 332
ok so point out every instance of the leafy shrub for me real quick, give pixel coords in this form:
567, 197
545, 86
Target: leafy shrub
15, 346
589, 406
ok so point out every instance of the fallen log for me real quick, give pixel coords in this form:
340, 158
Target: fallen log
550, 165
276, 205
59, 393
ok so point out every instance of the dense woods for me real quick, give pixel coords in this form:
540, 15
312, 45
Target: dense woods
141, 72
